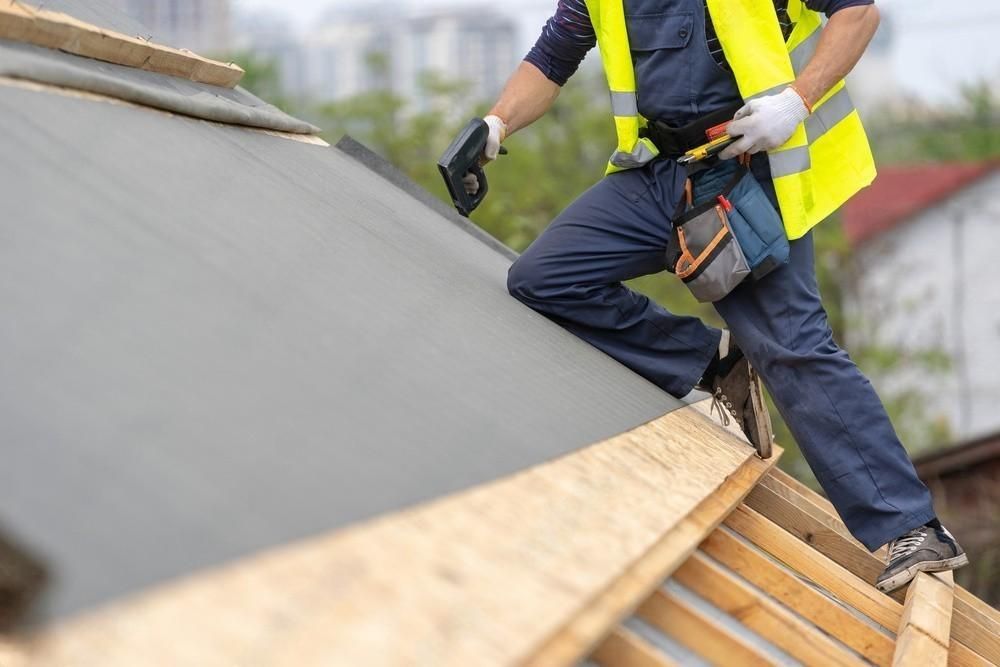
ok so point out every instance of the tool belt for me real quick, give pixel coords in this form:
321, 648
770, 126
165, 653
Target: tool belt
673, 142
723, 231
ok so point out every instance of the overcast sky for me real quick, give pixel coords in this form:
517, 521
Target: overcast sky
937, 44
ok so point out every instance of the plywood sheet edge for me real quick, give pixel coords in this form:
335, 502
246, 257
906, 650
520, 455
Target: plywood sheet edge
482, 576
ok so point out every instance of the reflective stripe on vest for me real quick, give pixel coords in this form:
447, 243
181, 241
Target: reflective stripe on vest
825, 162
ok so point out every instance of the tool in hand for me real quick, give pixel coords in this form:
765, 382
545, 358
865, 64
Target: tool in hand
718, 139
464, 157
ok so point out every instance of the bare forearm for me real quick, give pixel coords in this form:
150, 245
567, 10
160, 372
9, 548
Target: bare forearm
526, 97
842, 42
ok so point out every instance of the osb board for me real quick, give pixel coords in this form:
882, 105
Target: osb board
480, 577
55, 30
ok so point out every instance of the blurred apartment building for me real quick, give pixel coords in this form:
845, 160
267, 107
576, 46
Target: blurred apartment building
202, 26
354, 51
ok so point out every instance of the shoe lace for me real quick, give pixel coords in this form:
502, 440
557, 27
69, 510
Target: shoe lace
907, 544
722, 405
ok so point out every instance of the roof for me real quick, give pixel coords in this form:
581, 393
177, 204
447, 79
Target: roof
264, 400
201, 311
958, 458
901, 192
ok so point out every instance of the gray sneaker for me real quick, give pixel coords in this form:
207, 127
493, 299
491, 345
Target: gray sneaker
923, 549
738, 393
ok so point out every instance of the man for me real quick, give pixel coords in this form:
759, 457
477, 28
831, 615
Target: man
676, 67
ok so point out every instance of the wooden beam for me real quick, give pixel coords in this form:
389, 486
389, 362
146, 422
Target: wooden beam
925, 628
803, 490
762, 614
636, 584
837, 580
701, 634
497, 574
820, 507
826, 533
624, 648
55, 30
781, 584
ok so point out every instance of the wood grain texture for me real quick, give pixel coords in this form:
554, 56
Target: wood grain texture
55, 30
486, 576
624, 594
792, 592
691, 628
925, 628
624, 648
809, 522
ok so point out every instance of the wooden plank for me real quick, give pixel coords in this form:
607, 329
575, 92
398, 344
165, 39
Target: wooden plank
624, 648
803, 490
838, 580
827, 534
794, 593
925, 627
487, 576
55, 30
761, 614
701, 634
635, 585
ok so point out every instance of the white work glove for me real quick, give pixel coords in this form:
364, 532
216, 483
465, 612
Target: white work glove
498, 132
765, 123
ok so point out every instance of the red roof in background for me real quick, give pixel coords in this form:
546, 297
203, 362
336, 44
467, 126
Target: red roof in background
900, 192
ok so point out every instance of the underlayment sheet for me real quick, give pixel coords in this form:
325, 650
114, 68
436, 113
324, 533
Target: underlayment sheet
217, 340
169, 93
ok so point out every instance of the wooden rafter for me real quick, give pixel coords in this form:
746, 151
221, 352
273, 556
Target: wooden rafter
55, 30
798, 514
624, 648
925, 629
763, 615
690, 627
788, 589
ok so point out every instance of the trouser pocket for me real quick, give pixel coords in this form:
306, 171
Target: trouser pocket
711, 262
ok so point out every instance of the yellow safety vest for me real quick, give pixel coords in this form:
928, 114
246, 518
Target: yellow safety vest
826, 161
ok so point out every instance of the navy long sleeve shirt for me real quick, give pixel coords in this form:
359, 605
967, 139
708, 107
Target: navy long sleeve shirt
569, 35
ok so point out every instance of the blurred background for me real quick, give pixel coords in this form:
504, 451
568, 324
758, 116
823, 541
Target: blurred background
905, 270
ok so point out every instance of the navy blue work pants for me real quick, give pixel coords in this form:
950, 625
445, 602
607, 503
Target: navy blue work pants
618, 230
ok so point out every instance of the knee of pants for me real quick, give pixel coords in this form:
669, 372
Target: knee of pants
525, 281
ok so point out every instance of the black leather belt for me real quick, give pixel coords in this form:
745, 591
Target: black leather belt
675, 141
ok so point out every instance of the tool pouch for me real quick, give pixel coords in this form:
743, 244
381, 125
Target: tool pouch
706, 255
755, 222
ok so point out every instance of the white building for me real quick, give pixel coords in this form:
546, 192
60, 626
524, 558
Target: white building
927, 242
202, 26
354, 51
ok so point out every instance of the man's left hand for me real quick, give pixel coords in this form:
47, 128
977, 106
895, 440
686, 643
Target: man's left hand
765, 123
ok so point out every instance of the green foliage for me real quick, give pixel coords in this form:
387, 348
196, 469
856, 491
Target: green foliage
969, 132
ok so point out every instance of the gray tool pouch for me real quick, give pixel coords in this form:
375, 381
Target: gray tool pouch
709, 259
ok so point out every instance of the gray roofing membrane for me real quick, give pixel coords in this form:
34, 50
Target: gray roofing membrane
177, 95
216, 341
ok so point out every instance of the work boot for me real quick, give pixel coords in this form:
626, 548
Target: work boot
737, 393
923, 549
